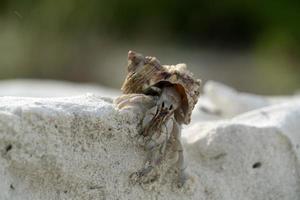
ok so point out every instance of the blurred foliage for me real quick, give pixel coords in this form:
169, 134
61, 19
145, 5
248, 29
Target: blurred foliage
231, 22
54, 39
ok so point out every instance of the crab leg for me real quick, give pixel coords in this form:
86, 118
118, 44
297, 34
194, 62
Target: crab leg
155, 146
180, 163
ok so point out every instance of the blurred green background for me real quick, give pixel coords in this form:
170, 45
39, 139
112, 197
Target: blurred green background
251, 45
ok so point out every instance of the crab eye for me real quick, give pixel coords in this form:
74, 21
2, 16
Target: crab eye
171, 106
163, 104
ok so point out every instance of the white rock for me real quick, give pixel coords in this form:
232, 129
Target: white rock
82, 148
69, 148
220, 101
51, 88
253, 156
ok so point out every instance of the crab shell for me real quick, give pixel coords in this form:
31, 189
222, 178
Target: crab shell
145, 72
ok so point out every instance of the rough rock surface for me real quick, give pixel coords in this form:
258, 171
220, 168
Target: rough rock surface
83, 148
252, 156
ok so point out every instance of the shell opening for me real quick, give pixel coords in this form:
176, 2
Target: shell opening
180, 115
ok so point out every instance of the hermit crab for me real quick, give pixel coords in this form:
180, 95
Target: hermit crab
167, 95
